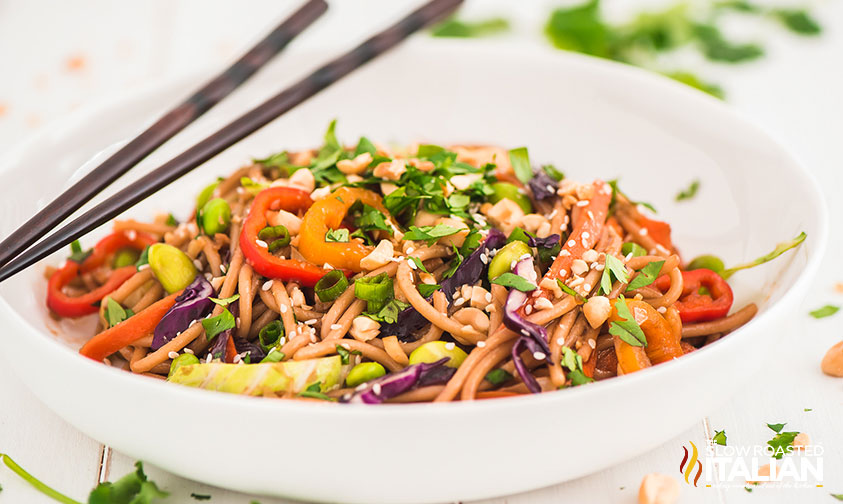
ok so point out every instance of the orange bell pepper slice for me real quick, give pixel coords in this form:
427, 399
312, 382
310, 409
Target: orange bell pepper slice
662, 345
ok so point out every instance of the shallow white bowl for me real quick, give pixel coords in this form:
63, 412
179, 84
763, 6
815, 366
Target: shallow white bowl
592, 119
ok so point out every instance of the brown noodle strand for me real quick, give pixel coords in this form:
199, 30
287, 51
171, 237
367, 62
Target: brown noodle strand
722, 325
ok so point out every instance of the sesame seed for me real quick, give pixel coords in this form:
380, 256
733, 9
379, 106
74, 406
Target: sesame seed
376, 388
450, 345
484, 259
336, 327
346, 346
592, 343
143, 267
661, 309
513, 264
360, 387
459, 302
347, 396
223, 268
197, 263
173, 355
590, 215
525, 256
570, 243
283, 308
410, 250
643, 231
553, 214
313, 338
187, 350
560, 341
131, 234
583, 203
524, 332
488, 297
528, 309
539, 356
267, 285
549, 187
236, 359
327, 266
586, 287
481, 344
412, 264
311, 321
282, 340
191, 324
209, 358
585, 234
261, 243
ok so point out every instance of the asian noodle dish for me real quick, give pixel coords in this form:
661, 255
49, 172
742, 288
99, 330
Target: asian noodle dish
369, 274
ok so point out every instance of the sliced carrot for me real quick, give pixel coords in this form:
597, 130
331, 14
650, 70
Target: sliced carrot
589, 365
127, 332
230, 350
630, 358
657, 230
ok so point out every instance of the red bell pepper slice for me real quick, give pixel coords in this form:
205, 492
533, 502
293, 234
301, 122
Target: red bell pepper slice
262, 261
696, 307
68, 306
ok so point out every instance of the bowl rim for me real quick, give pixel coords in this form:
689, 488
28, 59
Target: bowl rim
668, 90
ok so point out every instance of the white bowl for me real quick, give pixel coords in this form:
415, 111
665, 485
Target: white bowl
592, 119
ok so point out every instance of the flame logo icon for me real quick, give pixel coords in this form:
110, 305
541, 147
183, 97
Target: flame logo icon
686, 467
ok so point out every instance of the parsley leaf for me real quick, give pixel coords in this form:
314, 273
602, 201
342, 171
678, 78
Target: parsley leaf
200, 497
418, 263
716, 48
133, 488
798, 21
337, 236
471, 29
225, 302
345, 354
720, 437
573, 361
427, 290
430, 234
690, 192
498, 376
215, 325
646, 276
626, 329
825, 311
520, 160
579, 29
511, 280
114, 313
315, 392
455, 262
781, 444
143, 259
613, 268
369, 218
365, 145
776, 427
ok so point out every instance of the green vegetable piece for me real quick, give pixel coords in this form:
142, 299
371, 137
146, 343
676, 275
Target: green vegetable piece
627, 329
184, 359
513, 281
498, 376
647, 276
780, 249
502, 262
690, 192
205, 195
509, 191
436, 350
114, 313
216, 216
518, 234
636, 249
580, 29
171, 267
376, 290
520, 160
221, 323
825, 311
363, 372
720, 437
708, 261
125, 257
798, 21
270, 334
253, 379
331, 286
471, 29
133, 488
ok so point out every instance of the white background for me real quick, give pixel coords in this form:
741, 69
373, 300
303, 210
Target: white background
58, 56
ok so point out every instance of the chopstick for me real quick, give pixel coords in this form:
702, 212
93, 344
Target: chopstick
162, 130
235, 131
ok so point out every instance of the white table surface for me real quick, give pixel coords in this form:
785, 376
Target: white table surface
58, 56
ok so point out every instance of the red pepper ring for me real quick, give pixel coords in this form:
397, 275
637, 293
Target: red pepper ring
259, 257
68, 306
696, 307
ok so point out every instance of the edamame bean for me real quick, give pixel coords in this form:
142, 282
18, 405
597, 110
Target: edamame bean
708, 261
205, 195
437, 350
216, 216
363, 372
171, 267
510, 191
502, 262
636, 249
125, 257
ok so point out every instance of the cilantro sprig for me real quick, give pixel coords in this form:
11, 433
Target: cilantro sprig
646, 276
627, 329
782, 442
430, 234
513, 281
613, 268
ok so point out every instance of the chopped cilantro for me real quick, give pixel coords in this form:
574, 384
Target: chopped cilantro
251, 186
78, 255
365, 145
613, 268
716, 48
798, 21
430, 234
825, 311
571, 292
215, 325
114, 313
200, 497
807, 409
315, 392
389, 312
511, 280
690, 192
720, 437
418, 263
782, 442
143, 259
133, 488
646, 276
369, 218
227, 301
627, 329
171, 220
337, 236
345, 354
498, 376
427, 290
573, 361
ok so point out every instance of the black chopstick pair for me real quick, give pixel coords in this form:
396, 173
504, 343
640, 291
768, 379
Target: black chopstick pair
14, 255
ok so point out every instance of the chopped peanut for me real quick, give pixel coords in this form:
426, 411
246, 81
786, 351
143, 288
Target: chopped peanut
506, 214
390, 170
425, 218
381, 256
456, 239
286, 219
658, 488
463, 182
320, 193
421, 164
597, 310
480, 297
387, 188
303, 179
578, 267
543, 303
364, 329
801, 441
832, 363
355, 166
549, 284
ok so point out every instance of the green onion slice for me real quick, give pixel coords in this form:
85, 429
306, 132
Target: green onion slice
270, 334
331, 286
276, 236
377, 290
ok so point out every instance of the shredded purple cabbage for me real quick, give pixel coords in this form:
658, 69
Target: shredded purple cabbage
256, 353
192, 304
542, 185
386, 387
469, 272
515, 300
521, 368
546, 242
220, 341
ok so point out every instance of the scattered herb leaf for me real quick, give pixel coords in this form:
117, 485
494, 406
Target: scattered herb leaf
215, 325
825, 311
626, 329
511, 280
646, 276
690, 192
227, 301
